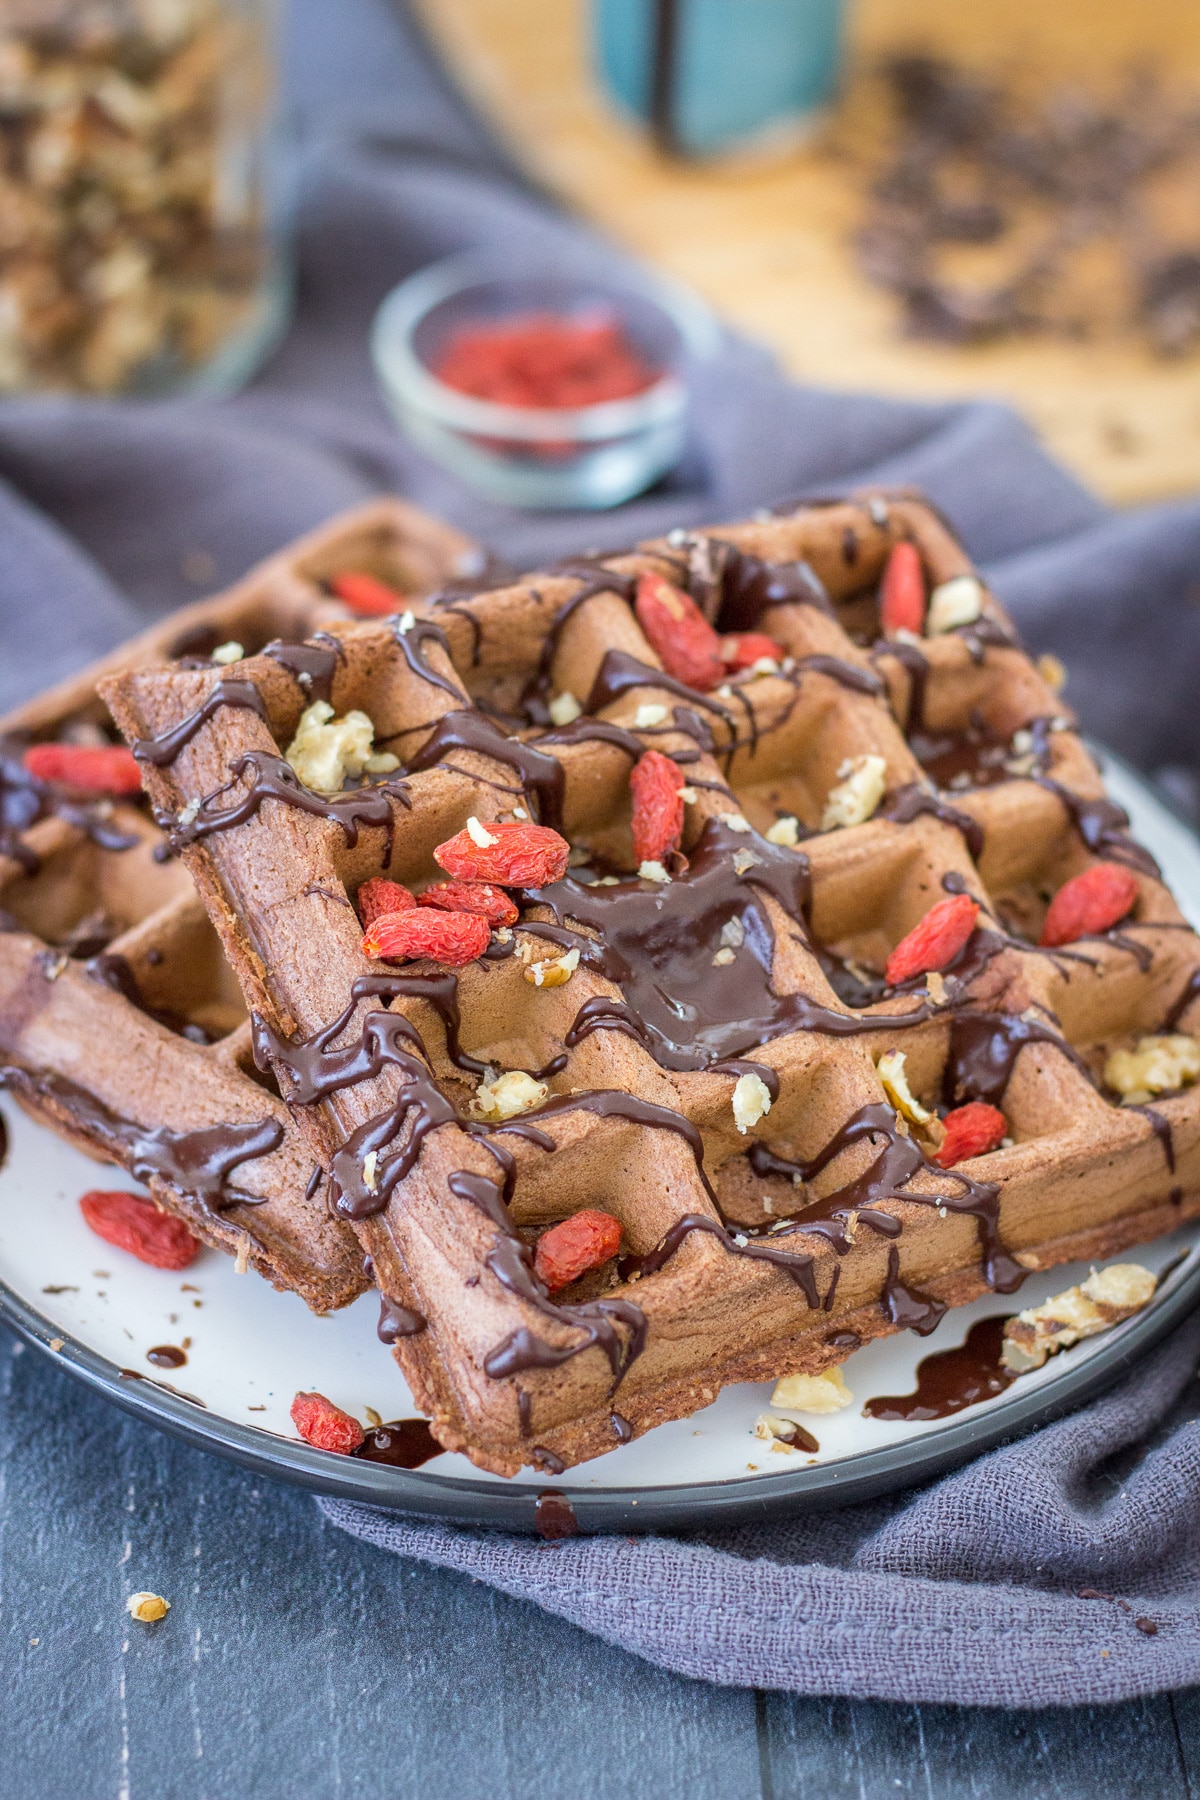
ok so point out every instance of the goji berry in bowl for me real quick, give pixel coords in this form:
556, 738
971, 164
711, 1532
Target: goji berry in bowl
545, 384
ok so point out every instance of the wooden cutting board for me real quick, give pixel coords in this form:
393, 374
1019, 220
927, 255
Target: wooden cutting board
767, 243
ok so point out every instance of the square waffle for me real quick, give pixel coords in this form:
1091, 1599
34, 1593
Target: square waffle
748, 1252
121, 1023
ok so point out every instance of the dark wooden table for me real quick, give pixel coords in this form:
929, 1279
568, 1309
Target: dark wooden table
298, 1662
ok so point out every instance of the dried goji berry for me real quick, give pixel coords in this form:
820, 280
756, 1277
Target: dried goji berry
325, 1426
1091, 902
379, 896
491, 903
971, 1130
133, 1223
453, 938
742, 649
580, 1243
936, 941
902, 592
100, 768
684, 641
657, 788
366, 596
515, 856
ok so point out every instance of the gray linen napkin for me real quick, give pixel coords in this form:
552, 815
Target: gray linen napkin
965, 1592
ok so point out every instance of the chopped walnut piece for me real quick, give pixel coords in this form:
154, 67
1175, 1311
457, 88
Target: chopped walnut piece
825, 1393
1104, 1299
326, 750
554, 971
956, 602
1159, 1065
149, 1608
891, 1071
508, 1094
857, 794
785, 832
751, 1101
564, 709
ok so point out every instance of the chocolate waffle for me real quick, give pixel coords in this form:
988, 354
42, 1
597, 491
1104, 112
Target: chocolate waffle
756, 1242
121, 1022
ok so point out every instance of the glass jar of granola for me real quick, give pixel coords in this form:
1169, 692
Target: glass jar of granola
140, 247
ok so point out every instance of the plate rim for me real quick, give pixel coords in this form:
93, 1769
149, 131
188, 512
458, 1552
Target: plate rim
864, 1475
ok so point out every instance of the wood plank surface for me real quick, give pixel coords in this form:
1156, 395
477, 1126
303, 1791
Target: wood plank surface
300, 1664
768, 244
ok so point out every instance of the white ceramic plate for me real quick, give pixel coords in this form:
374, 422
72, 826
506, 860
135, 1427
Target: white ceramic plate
249, 1349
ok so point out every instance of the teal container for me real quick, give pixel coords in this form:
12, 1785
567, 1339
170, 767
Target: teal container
715, 75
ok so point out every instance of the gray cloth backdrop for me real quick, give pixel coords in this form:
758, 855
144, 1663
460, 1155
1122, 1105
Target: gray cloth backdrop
963, 1592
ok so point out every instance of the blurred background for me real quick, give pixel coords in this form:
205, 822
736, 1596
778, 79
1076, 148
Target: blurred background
1065, 137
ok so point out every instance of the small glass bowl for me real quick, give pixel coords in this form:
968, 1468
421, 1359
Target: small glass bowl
592, 457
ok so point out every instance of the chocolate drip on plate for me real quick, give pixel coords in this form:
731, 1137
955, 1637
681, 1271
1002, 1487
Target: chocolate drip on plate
951, 1380
554, 1516
401, 1443
166, 1356
162, 750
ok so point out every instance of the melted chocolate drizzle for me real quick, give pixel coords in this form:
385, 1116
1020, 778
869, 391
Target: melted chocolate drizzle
271, 778
540, 775
907, 803
412, 642
314, 664
163, 749
984, 1047
887, 1178
1102, 825
510, 1260
197, 1163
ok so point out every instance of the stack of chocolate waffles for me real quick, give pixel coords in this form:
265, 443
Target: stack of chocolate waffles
709, 1051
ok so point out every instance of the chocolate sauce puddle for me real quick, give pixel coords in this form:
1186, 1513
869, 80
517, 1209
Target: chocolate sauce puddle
656, 943
166, 1356
401, 1443
950, 1380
